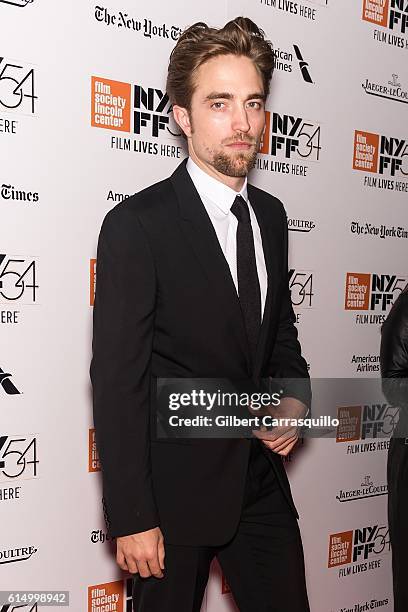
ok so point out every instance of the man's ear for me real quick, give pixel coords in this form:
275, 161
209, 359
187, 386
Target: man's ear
182, 118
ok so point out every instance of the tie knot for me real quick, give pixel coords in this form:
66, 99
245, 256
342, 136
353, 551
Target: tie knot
240, 209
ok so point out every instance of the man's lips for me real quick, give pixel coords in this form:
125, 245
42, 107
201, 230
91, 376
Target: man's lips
240, 145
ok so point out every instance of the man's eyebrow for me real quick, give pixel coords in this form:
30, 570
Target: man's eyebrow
224, 95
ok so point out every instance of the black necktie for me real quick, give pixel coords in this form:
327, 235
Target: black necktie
248, 282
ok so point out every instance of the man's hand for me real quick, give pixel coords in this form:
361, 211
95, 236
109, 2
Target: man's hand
142, 553
281, 440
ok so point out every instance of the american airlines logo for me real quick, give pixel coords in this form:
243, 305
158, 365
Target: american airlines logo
284, 61
7, 384
304, 66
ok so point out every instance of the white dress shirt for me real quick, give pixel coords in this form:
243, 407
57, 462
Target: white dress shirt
218, 199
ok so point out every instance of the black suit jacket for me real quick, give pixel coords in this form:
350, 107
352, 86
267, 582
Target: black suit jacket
166, 306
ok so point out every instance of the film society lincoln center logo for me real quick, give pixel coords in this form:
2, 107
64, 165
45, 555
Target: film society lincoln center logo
391, 14
111, 596
92, 280
93, 456
384, 156
144, 112
111, 104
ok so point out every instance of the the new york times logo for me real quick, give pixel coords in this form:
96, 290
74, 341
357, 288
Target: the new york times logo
9, 192
97, 535
143, 26
365, 606
291, 137
7, 385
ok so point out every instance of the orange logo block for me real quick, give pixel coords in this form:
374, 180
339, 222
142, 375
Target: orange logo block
92, 281
110, 104
107, 596
376, 11
357, 291
349, 427
93, 457
264, 148
366, 146
340, 547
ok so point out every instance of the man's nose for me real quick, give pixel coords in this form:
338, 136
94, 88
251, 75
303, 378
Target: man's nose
240, 121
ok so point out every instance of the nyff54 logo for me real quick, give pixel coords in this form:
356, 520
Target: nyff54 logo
18, 279
370, 421
357, 545
130, 108
17, 91
301, 287
18, 457
291, 137
372, 291
392, 14
380, 154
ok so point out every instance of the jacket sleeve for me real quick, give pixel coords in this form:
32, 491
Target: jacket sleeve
286, 360
120, 371
394, 353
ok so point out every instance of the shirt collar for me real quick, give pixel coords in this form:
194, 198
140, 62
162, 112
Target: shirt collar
209, 187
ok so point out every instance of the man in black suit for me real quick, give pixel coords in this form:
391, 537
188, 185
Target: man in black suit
192, 282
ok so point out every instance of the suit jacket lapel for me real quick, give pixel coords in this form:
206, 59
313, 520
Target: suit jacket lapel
269, 248
199, 232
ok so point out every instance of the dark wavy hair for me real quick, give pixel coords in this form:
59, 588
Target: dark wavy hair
199, 43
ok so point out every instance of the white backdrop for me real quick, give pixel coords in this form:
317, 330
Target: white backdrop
336, 156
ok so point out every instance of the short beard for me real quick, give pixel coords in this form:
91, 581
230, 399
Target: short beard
237, 166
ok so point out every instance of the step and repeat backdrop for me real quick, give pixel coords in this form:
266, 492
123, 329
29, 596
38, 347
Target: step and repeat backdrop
84, 122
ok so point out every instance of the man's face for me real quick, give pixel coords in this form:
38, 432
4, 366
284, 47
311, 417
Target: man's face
227, 117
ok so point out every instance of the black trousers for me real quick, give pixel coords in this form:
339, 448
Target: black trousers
397, 476
263, 563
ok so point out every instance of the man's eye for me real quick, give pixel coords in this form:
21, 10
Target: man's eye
255, 104
217, 105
